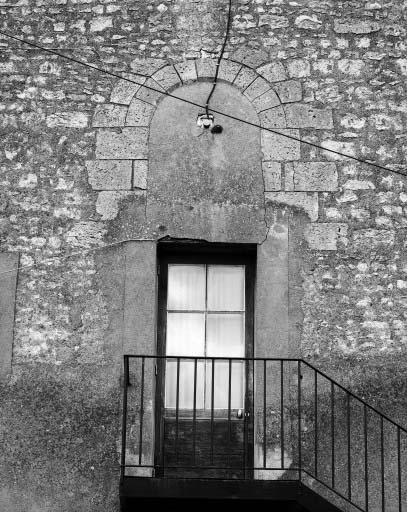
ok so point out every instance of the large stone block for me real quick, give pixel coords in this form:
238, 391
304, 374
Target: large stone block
273, 72
356, 27
338, 150
109, 116
124, 91
140, 168
289, 91
107, 203
151, 92
206, 68
128, 143
325, 236
315, 176
139, 113
110, 174
302, 200
228, 70
266, 101
67, 120
272, 176
305, 116
280, 148
273, 118
187, 70
244, 78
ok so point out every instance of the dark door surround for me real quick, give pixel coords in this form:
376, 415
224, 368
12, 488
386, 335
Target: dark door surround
205, 253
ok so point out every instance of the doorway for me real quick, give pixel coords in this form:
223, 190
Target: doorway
204, 392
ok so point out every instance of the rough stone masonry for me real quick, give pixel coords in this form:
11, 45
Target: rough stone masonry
87, 160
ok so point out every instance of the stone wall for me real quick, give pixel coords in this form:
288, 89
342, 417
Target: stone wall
75, 165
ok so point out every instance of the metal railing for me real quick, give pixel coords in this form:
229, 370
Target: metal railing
182, 417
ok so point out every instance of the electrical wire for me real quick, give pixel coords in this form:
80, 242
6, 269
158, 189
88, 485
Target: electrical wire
215, 80
230, 116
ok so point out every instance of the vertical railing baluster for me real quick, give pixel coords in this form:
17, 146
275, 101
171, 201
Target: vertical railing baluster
264, 414
194, 414
366, 458
382, 461
316, 423
399, 467
140, 447
282, 412
349, 446
299, 422
212, 405
229, 409
333, 434
177, 412
124, 418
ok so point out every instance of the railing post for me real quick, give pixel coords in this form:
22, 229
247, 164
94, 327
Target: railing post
124, 419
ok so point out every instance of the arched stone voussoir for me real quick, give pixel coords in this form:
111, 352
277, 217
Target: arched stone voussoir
167, 77
274, 117
124, 91
139, 113
273, 71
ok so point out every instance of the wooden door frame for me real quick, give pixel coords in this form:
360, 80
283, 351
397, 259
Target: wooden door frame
173, 251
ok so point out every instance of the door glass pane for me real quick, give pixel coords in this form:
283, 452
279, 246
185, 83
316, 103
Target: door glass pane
225, 335
186, 287
226, 288
221, 385
185, 334
186, 385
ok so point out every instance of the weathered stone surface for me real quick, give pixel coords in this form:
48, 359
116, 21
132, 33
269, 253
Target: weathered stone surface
109, 174
289, 91
129, 143
302, 200
273, 71
315, 176
266, 101
140, 169
206, 68
244, 78
289, 177
298, 68
335, 147
306, 22
272, 176
8, 272
187, 70
273, 21
305, 116
364, 240
107, 204
124, 91
147, 66
167, 77
151, 92
278, 147
109, 116
228, 70
101, 23
273, 118
139, 113
257, 88
356, 27
68, 120
325, 236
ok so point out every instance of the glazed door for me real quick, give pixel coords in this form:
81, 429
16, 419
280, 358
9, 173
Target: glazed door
205, 395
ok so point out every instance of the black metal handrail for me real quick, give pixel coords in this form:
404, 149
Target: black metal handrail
305, 425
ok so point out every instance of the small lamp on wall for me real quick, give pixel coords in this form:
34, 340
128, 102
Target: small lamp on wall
207, 121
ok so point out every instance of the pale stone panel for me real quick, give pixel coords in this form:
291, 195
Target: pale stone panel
109, 174
289, 176
167, 77
257, 88
280, 148
140, 168
129, 143
109, 116
272, 176
206, 68
124, 91
244, 78
273, 118
315, 176
67, 120
356, 27
228, 70
325, 236
147, 66
273, 72
266, 101
302, 200
108, 203
342, 147
139, 113
187, 70
305, 116
289, 91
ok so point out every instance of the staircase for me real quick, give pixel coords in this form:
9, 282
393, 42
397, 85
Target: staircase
307, 442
